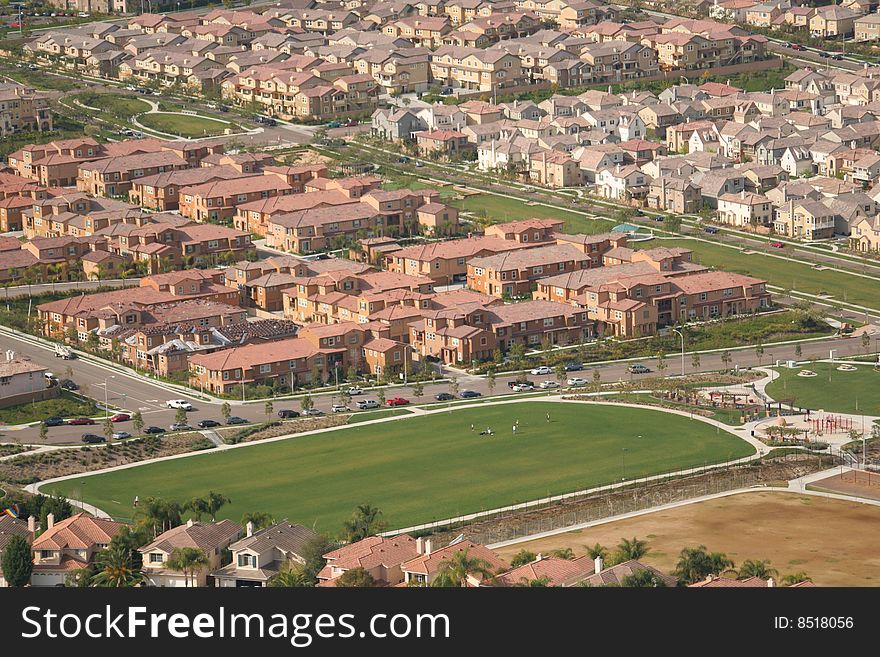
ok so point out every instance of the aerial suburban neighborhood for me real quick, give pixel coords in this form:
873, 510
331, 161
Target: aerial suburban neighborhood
452, 293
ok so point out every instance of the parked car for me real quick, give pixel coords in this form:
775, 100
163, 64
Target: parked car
777, 245
154, 430
364, 404
334, 124
121, 435
350, 123
574, 367
576, 381
638, 368
54, 421
444, 396
397, 401
469, 394
521, 382
120, 417
354, 390
522, 387
710, 229
207, 424
180, 426
67, 384
288, 414
313, 412
50, 377
93, 438
179, 403
340, 408
541, 371
546, 385
795, 46
837, 57
81, 421
419, 164
234, 419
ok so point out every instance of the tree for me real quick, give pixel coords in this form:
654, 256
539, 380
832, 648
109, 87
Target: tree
629, 549
521, 558
225, 410
418, 390
517, 353
598, 551
453, 385
119, 566
137, 422
759, 351
726, 359
108, 429
364, 522
795, 578
44, 432
642, 579
456, 570
188, 561
491, 381
216, 501
313, 552
866, 342
268, 408
156, 515
798, 351
661, 362
672, 223
180, 416
355, 578
537, 583
695, 362
597, 380
198, 507
291, 575
563, 553
696, 564
260, 519
18, 562
351, 374
380, 395
561, 374
755, 568
305, 403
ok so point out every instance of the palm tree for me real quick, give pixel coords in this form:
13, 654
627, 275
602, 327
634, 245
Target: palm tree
216, 501
795, 578
695, 564
457, 568
630, 549
198, 506
291, 575
643, 579
116, 568
158, 515
598, 551
755, 568
188, 561
563, 553
540, 582
260, 519
522, 557
365, 521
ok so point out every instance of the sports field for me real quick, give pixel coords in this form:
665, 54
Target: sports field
423, 468
831, 390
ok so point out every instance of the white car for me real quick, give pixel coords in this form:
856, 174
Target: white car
340, 408
546, 385
179, 403
542, 370
522, 387
354, 390
577, 381
364, 404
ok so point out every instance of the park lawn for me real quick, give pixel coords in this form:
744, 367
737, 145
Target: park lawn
366, 416
501, 209
184, 125
118, 105
427, 467
845, 392
66, 406
783, 273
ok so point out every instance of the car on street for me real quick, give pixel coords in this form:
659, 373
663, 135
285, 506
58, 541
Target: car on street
541, 371
207, 424
354, 390
313, 412
419, 164
287, 414
574, 367
822, 53
364, 404
120, 417
93, 438
837, 57
54, 421
340, 408
469, 394
795, 46
121, 435
179, 403
67, 384
522, 387
234, 419
154, 430
638, 368
777, 245
710, 229
576, 381
444, 396
397, 401
77, 421
546, 385
180, 426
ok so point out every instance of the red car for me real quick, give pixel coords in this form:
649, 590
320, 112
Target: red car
120, 417
397, 401
81, 420
777, 245
796, 46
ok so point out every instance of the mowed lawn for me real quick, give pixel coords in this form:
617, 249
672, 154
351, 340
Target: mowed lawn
184, 125
845, 392
425, 468
501, 209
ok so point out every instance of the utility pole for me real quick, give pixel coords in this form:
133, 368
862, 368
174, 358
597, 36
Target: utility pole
681, 335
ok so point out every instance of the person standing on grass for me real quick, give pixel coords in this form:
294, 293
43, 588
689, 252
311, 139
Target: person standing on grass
472, 427
514, 429
548, 417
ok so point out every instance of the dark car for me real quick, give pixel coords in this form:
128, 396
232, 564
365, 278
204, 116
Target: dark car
822, 53
710, 229
469, 394
81, 420
287, 415
837, 58
54, 421
207, 424
154, 430
67, 384
444, 396
93, 438
574, 367
234, 419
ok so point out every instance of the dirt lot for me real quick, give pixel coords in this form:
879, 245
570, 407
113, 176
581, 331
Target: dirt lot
830, 540
858, 483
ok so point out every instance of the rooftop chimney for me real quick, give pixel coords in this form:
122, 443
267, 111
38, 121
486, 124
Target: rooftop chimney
420, 545
742, 194
50, 521
599, 564
771, 583
32, 524
189, 523
429, 546
250, 529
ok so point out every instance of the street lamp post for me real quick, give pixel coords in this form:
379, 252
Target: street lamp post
623, 452
681, 335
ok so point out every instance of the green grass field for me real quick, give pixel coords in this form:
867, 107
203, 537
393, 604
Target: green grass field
425, 468
501, 209
841, 394
184, 125
118, 105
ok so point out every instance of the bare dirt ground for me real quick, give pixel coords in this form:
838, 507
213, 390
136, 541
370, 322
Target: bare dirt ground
858, 483
830, 540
